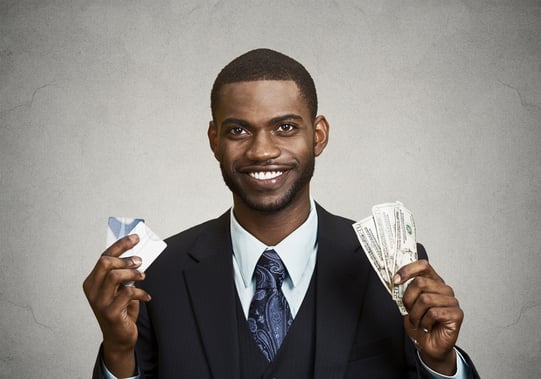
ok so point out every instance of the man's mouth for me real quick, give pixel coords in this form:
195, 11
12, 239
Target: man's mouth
265, 175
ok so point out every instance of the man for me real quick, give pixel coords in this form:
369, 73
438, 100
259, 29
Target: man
213, 313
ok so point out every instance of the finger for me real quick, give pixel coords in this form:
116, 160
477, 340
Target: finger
108, 261
106, 264
125, 295
448, 316
417, 268
423, 305
421, 285
113, 282
122, 245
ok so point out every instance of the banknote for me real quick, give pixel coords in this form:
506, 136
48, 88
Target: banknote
406, 246
385, 219
389, 242
367, 235
406, 242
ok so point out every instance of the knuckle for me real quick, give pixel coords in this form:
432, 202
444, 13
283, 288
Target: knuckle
128, 291
89, 289
432, 313
105, 262
86, 287
421, 282
115, 276
424, 299
424, 264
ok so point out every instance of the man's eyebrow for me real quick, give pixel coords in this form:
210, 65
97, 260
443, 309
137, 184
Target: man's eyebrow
274, 120
236, 121
291, 116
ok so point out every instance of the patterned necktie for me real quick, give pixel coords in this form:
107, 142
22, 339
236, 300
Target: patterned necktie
269, 317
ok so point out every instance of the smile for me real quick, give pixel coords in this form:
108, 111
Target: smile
266, 175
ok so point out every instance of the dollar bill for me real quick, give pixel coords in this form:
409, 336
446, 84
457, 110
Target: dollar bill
385, 219
388, 239
367, 235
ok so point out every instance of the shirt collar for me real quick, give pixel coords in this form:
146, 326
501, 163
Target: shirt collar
294, 250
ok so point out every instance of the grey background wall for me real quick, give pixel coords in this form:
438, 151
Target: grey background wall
104, 108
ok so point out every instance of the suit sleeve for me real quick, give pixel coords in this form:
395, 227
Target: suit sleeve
98, 370
145, 350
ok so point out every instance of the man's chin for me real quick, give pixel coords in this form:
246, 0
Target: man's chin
266, 205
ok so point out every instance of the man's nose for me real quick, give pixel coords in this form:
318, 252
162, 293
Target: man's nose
263, 148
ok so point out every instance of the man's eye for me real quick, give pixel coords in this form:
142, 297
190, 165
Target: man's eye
237, 131
286, 128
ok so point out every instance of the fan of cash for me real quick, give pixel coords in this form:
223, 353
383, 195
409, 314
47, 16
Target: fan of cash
388, 240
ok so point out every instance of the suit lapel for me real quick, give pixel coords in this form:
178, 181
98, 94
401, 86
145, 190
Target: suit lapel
212, 294
341, 284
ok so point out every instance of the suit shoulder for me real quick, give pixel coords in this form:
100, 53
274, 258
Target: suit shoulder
190, 235
332, 218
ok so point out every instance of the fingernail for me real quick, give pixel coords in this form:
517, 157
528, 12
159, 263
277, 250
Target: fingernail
136, 261
425, 330
133, 238
396, 279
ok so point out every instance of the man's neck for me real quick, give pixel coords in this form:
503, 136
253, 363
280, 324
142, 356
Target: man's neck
272, 227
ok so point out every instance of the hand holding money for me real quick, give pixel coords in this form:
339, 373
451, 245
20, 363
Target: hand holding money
434, 318
432, 314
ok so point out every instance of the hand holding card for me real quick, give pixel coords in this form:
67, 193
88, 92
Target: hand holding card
150, 245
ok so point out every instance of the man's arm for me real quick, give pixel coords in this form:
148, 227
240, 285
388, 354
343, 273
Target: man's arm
116, 306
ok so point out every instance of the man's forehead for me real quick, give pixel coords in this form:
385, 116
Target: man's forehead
251, 85
262, 94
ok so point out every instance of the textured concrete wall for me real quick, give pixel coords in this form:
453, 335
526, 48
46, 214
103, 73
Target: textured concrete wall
104, 108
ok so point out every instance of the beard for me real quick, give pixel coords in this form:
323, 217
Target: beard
289, 195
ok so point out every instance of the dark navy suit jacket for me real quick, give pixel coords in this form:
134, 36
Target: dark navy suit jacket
189, 329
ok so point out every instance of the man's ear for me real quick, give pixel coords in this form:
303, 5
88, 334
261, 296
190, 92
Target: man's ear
321, 134
212, 133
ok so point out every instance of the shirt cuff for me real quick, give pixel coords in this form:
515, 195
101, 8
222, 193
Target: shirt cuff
461, 368
108, 375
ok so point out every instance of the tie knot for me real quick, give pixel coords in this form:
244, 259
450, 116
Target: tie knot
269, 271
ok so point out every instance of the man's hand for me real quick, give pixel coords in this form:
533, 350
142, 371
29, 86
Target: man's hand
434, 315
115, 305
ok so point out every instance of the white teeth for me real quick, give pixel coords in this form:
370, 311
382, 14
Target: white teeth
266, 175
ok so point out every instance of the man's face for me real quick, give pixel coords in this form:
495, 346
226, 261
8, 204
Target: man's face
266, 143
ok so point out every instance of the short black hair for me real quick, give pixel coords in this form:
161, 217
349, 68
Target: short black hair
265, 64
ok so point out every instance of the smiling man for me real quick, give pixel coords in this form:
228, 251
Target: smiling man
266, 140
276, 286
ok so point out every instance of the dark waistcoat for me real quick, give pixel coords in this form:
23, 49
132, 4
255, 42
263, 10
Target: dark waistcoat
295, 359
